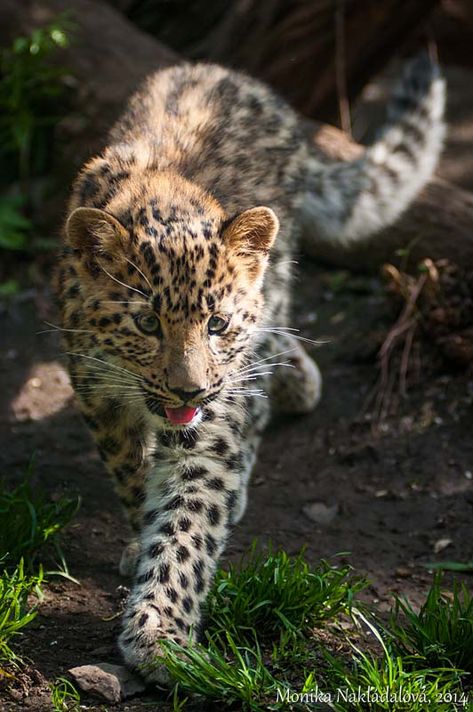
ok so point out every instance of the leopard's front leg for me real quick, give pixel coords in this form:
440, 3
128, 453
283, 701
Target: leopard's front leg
190, 494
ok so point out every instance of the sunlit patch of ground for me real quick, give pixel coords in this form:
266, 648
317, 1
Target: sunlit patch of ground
46, 391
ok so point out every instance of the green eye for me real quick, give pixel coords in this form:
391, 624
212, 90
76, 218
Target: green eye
148, 324
217, 324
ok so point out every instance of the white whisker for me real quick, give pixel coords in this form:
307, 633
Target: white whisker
98, 386
251, 377
101, 361
255, 372
127, 286
55, 327
262, 360
127, 302
292, 335
142, 273
107, 377
248, 394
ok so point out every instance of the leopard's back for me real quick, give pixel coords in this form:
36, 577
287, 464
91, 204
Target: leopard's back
220, 129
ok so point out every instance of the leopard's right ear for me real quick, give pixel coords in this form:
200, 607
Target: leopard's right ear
94, 231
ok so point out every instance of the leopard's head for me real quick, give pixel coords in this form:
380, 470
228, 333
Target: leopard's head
172, 294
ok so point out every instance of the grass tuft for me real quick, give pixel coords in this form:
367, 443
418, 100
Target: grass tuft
15, 613
391, 682
262, 652
275, 594
259, 615
441, 632
28, 522
64, 696
221, 670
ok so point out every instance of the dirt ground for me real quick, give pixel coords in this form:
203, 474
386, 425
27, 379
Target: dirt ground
397, 491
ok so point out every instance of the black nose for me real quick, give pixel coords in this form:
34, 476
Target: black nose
186, 395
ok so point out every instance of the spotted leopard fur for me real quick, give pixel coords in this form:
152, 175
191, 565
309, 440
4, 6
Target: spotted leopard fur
189, 219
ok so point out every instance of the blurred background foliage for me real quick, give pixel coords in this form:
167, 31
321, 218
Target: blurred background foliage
33, 97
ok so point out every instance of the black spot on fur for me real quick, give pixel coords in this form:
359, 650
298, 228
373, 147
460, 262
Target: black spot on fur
213, 515
216, 483
210, 544
164, 573
197, 539
176, 502
184, 524
182, 554
187, 604
168, 529
194, 473
171, 594
155, 550
180, 623
231, 500
220, 446
194, 505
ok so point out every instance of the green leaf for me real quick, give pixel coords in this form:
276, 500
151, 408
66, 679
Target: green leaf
449, 566
9, 288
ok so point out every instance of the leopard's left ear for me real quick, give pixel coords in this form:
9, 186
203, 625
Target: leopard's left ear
251, 235
94, 231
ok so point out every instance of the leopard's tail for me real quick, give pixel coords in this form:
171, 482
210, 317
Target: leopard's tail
347, 202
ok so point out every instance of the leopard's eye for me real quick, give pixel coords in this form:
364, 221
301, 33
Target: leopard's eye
217, 324
148, 324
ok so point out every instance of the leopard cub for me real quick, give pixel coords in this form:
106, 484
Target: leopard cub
174, 284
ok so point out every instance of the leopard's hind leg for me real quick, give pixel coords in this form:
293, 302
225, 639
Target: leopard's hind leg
297, 389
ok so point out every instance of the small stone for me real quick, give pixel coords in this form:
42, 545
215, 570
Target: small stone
403, 573
320, 513
469, 475
442, 544
98, 682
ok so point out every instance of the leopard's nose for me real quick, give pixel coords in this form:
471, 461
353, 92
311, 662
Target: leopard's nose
186, 396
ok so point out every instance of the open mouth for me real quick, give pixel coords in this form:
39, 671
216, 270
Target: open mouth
184, 415
181, 416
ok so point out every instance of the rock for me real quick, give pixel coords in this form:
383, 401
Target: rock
402, 573
320, 513
94, 680
109, 682
442, 544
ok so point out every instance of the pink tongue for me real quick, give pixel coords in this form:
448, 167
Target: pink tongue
180, 416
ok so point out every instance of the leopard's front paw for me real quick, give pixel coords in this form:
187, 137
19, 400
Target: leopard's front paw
140, 639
